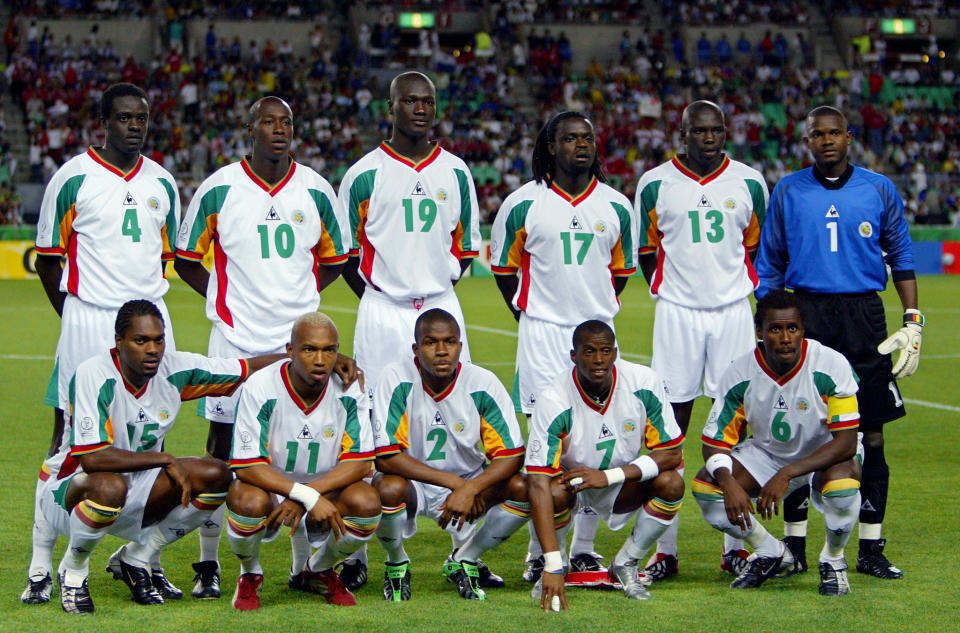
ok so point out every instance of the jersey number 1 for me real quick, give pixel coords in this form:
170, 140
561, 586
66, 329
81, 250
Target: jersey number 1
313, 448
427, 210
584, 238
282, 240
715, 233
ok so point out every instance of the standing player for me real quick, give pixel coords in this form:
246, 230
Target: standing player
113, 213
277, 242
112, 475
414, 225
432, 416
700, 215
562, 248
799, 399
302, 444
589, 427
833, 229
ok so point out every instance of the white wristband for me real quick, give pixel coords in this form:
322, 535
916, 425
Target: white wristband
718, 460
614, 476
648, 467
553, 562
304, 495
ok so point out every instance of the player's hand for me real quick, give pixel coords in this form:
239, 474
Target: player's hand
768, 503
349, 372
908, 340
737, 503
326, 515
459, 507
179, 477
583, 478
289, 513
552, 587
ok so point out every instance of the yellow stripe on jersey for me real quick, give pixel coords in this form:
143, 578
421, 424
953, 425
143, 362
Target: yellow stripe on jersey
402, 434
66, 226
751, 235
515, 254
618, 263
653, 233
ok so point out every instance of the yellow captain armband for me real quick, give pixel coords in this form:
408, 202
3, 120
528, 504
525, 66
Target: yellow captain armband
842, 413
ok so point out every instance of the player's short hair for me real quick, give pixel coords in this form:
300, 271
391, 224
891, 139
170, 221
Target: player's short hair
132, 309
824, 110
409, 75
116, 91
314, 319
697, 106
592, 327
776, 300
428, 318
543, 163
254, 113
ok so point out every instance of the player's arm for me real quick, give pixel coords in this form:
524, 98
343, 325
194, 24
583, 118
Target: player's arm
508, 285
326, 275
619, 283
464, 265
118, 460
411, 468
541, 501
648, 265
50, 269
194, 273
351, 275
464, 502
840, 448
736, 501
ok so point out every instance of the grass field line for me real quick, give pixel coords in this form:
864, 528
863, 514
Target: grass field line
932, 405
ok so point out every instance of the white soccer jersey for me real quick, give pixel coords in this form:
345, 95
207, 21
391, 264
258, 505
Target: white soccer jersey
267, 245
703, 228
410, 223
566, 250
789, 416
568, 428
109, 411
456, 430
114, 228
302, 440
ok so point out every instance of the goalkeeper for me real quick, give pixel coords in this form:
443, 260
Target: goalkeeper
830, 232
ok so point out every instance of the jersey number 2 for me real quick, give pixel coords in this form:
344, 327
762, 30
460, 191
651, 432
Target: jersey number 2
440, 437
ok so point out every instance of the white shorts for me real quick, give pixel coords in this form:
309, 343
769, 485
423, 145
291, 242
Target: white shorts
601, 500
223, 408
129, 524
693, 346
429, 500
384, 330
762, 465
87, 330
543, 353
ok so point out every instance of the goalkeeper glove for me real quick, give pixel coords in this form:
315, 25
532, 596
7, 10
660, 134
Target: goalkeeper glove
908, 340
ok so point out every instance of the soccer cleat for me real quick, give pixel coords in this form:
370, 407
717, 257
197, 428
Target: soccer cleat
466, 577
328, 584
206, 582
662, 566
587, 562
759, 569
734, 561
797, 546
247, 595
533, 569
871, 560
833, 582
353, 573
38, 590
396, 581
140, 583
488, 579
75, 600
628, 575
298, 582
164, 587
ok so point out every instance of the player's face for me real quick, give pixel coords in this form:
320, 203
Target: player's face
313, 350
574, 147
704, 138
439, 349
141, 349
594, 359
272, 132
126, 127
782, 336
827, 139
414, 107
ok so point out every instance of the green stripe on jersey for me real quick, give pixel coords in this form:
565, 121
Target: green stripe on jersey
648, 202
210, 204
759, 204
626, 234
263, 417
352, 427
515, 221
731, 402
360, 190
104, 400
466, 207
66, 198
398, 406
654, 410
490, 411
199, 377
560, 425
329, 219
824, 383
173, 222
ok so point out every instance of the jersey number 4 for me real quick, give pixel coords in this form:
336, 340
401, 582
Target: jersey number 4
713, 233
131, 226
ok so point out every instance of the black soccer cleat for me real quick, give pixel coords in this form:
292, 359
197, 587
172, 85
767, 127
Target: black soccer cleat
38, 590
759, 569
833, 582
465, 576
797, 546
871, 560
587, 562
206, 582
662, 566
533, 569
164, 587
353, 573
488, 579
396, 581
75, 600
140, 583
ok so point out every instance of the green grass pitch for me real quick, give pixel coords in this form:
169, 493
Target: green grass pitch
922, 519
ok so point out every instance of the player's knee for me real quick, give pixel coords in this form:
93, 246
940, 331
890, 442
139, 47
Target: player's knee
210, 475
669, 485
873, 439
248, 501
517, 488
562, 499
108, 489
392, 490
362, 500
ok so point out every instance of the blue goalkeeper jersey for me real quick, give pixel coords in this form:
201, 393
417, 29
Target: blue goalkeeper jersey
833, 237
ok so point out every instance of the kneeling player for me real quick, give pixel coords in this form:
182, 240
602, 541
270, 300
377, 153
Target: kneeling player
302, 445
799, 400
112, 476
589, 428
431, 414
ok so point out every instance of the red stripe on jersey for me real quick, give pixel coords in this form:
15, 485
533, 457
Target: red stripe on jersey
220, 266
709, 441
417, 166
574, 200
437, 397
68, 467
751, 271
544, 470
128, 176
49, 250
368, 253
599, 408
784, 379
316, 266
263, 184
524, 281
73, 274
302, 404
252, 461
706, 179
130, 387
658, 273
194, 257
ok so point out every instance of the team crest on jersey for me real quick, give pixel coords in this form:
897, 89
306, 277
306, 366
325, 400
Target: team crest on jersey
438, 420
866, 229
328, 432
418, 190
575, 223
442, 195
153, 202
802, 405
298, 217
245, 439
164, 414
305, 433
272, 214
600, 227
458, 427
832, 212
86, 424
128, 200
604, 432
704, 202
629, 426
534, 447
781, 403
730, 203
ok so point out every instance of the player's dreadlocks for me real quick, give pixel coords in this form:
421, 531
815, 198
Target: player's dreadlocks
115, 92
132, 309
775, 300
543, 162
